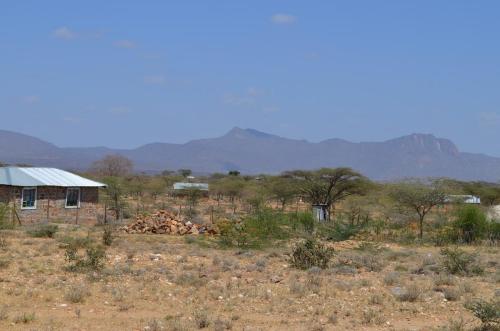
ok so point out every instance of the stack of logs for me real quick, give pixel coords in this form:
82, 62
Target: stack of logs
164, 222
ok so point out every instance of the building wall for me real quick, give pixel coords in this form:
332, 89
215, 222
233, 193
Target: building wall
50, 205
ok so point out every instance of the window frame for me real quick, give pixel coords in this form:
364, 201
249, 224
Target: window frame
78, 200
22, 197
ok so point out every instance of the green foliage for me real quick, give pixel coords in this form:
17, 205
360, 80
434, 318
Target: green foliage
307, 222
93, 260
310, 253
114, 197
493, 231
471, 224
328, 186
43, 230
264, 228
458, 261
342, 230
235, 234
487, 311
418, 198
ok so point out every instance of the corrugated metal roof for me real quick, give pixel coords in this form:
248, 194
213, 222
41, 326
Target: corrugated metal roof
17, 176
185, 186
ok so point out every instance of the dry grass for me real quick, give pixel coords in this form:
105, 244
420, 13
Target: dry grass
167, 283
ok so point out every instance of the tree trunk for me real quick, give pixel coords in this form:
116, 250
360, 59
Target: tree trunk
421, 234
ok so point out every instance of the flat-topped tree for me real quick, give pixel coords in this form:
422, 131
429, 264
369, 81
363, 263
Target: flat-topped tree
328, 186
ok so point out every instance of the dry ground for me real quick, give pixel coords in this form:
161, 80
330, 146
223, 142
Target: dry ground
160, 282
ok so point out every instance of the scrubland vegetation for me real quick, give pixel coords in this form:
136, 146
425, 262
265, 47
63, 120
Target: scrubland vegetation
394, 256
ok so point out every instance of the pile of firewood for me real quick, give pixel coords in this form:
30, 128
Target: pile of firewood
164, 222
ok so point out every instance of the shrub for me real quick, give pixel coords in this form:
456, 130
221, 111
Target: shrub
487, 311
233, 233
307, 222
458, 261
77, 294
43, 231
108, 236
24, 318
451, 294
93, 260
343, 231
371, 316
471, 224
410, 294
310, 253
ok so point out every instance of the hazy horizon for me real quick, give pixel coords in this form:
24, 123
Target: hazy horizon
121, 75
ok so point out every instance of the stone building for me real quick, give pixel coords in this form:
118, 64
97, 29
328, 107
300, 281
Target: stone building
48, 194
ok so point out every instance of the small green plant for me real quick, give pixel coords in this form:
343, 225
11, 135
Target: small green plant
310, 253
458, 261
43, 231
108, 235
487, 311
93, 260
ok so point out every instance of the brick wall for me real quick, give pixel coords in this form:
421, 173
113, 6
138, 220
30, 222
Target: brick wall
51, 202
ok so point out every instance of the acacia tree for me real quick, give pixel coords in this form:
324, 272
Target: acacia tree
114, 196
185, 172
112, 166
418, 198
328, 186
283, 189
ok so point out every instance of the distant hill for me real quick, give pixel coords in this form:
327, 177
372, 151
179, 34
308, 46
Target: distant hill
252, 152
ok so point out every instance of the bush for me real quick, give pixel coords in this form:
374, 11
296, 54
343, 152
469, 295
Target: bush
108, 236
307, 222
77, 294
93, 260
410, 294
43, 231
458, 261
471, 224
310, 253
234, 233
261, 228
487, 312
342, 231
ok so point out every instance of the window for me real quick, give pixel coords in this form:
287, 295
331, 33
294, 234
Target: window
73, 197
29, 198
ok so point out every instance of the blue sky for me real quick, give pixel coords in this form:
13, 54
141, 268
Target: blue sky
125, 73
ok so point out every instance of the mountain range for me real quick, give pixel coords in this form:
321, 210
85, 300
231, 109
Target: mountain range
253, 152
